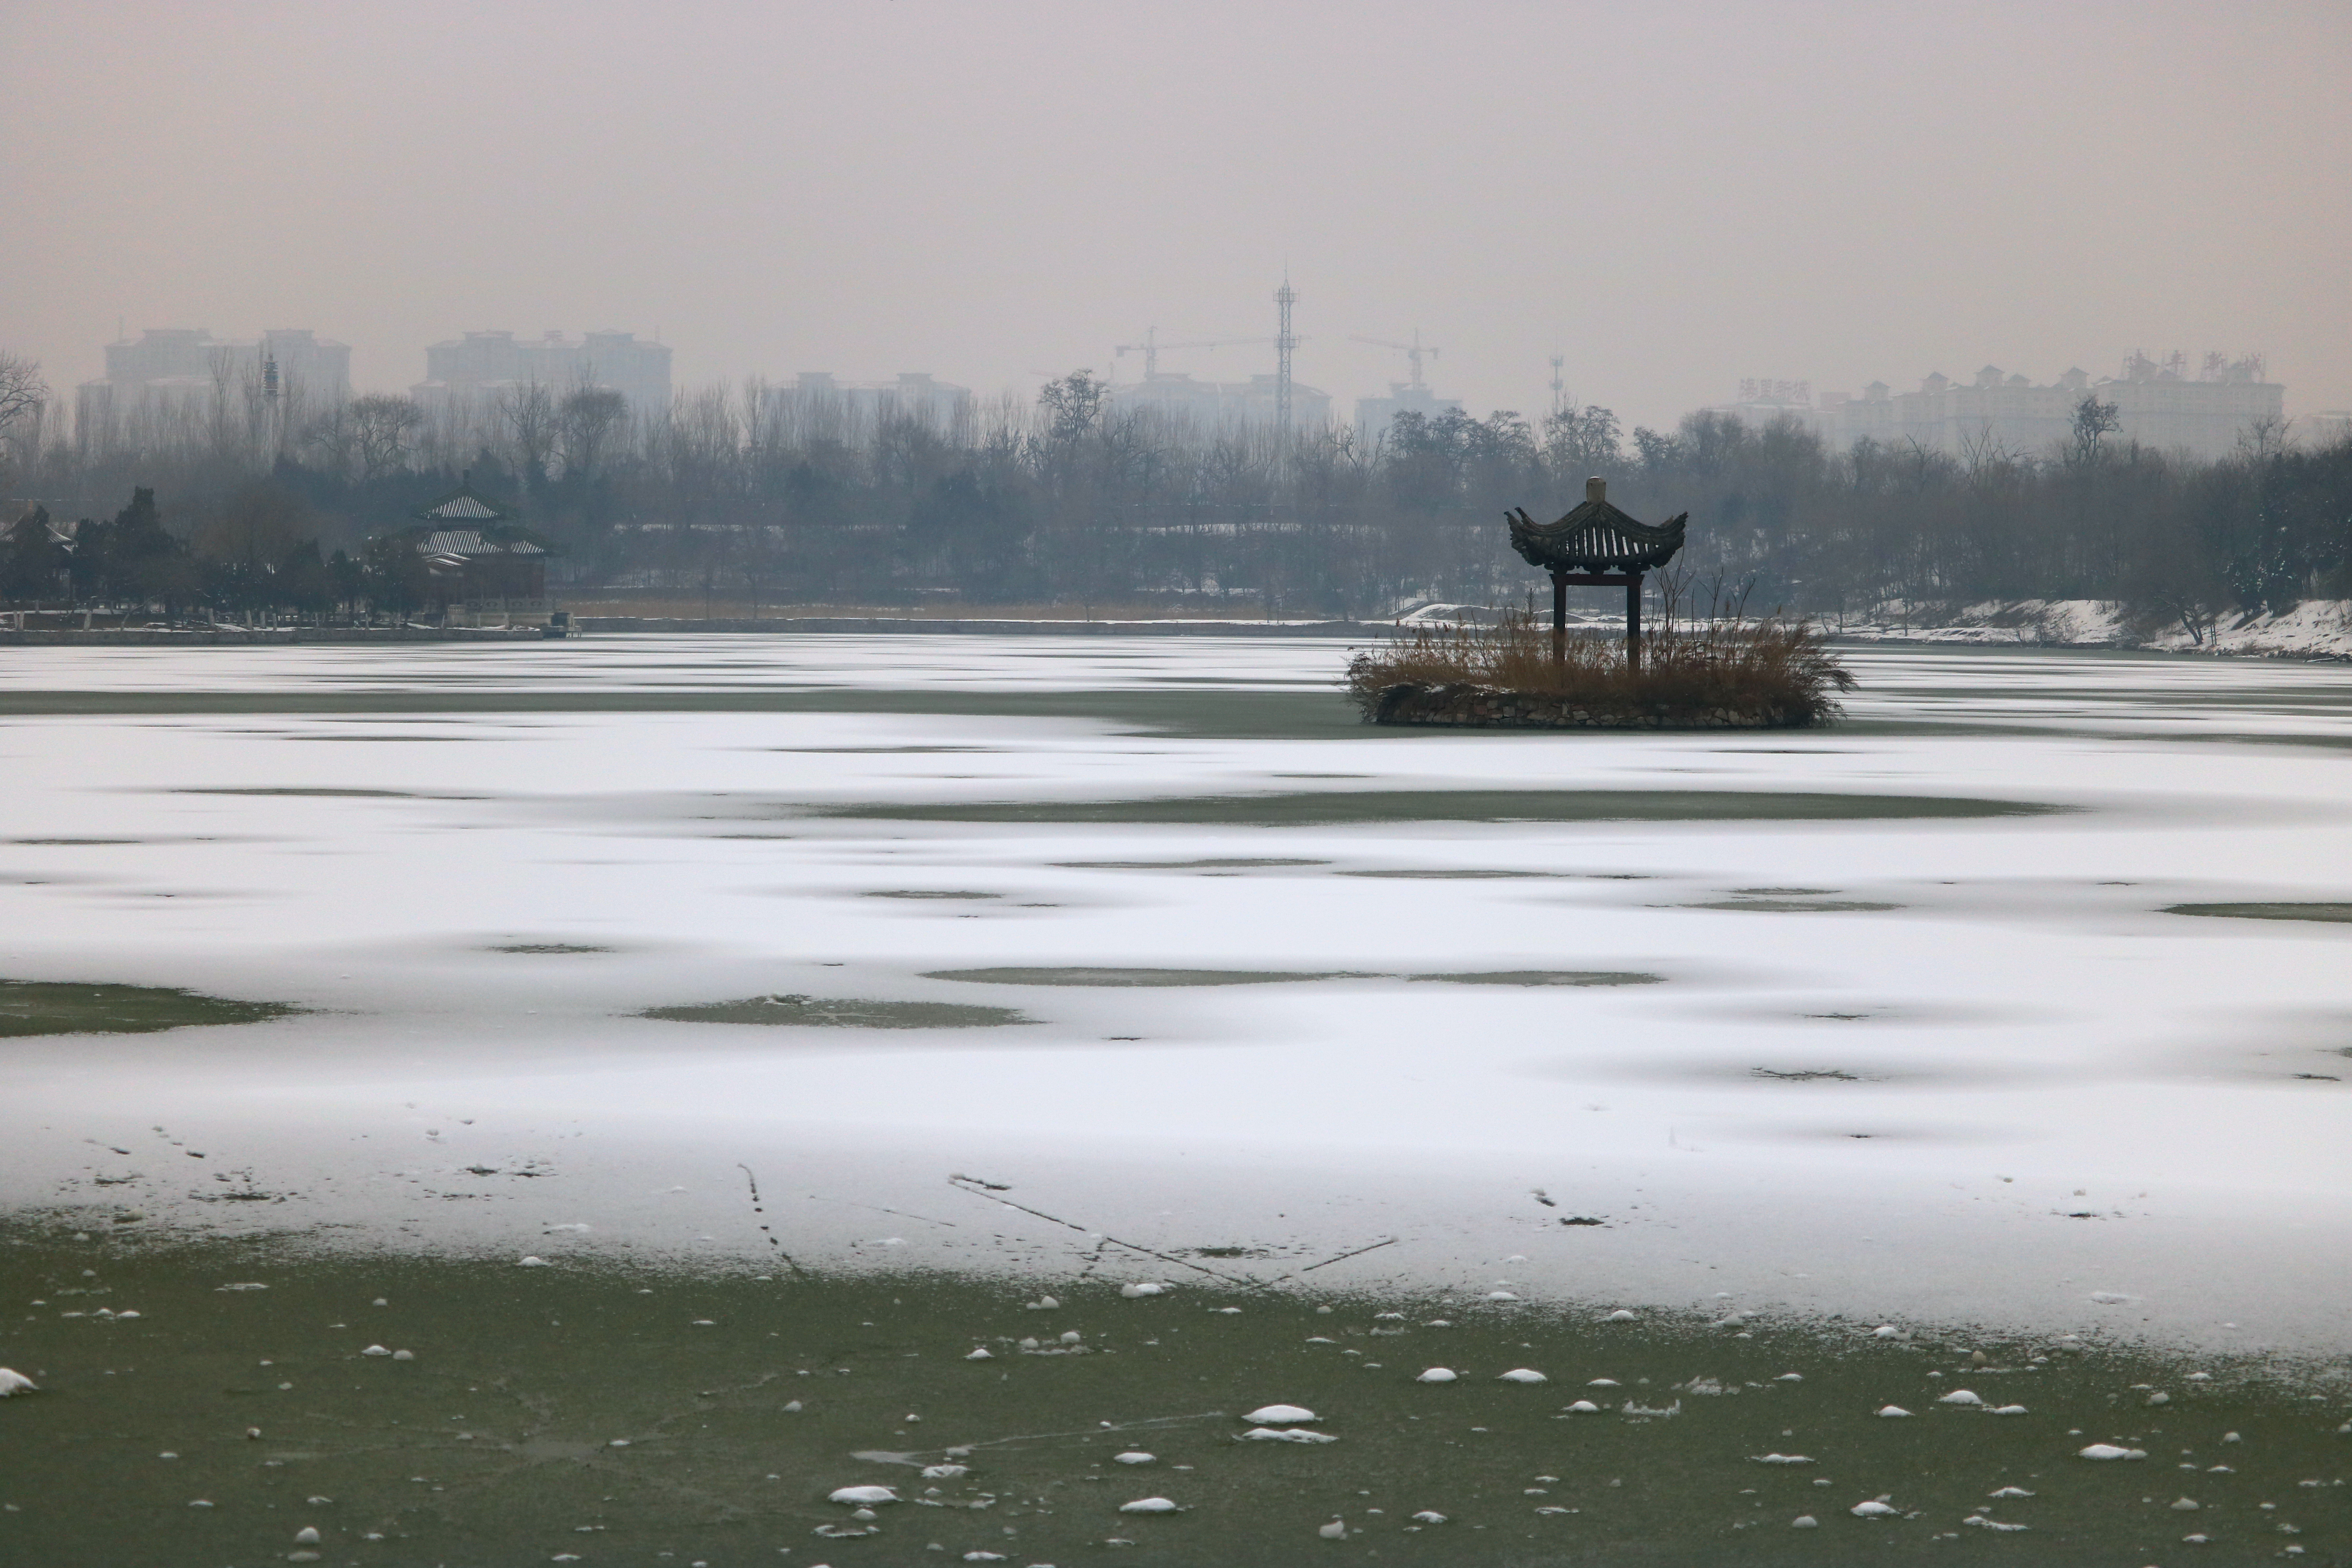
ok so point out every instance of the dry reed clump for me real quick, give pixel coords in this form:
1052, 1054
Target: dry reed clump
1767, 674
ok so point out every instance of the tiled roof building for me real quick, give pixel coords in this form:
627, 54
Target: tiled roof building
476, 557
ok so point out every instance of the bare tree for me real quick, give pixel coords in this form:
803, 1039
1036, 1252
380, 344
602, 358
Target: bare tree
2263, 439
2093, 420
22, 390
23, 396
526, 410
1582, 442
1072, 405
380, 425
584, 423
329, 437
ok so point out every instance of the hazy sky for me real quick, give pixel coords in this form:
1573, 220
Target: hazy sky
1673, 196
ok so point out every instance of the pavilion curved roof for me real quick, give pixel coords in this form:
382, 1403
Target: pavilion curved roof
461, 508
1595, 537
464, 543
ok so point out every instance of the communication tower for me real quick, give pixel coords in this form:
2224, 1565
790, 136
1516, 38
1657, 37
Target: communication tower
1284, 343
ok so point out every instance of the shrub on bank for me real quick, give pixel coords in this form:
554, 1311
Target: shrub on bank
1772, 674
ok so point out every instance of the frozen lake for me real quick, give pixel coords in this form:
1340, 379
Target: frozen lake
1892, 1020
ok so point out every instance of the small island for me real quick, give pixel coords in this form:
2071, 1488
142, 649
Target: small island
1732, 674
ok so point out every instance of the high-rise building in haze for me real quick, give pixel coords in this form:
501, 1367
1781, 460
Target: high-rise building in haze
820, 400
1257, 401
2159, 404
179, 374
483, 364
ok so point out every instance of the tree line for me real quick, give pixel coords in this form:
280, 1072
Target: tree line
780, 496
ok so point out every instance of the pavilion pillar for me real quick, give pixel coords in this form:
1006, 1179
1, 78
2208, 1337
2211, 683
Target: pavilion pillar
1560, 618
1634, 620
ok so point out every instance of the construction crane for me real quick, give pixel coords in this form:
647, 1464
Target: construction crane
1413, 352
1150, 348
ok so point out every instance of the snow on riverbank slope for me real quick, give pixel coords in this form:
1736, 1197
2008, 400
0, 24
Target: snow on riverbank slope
2316, 629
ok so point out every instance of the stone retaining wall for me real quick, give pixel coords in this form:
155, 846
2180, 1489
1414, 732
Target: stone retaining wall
1485, 706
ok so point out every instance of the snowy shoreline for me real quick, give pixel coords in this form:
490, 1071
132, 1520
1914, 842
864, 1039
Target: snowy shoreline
2315, 629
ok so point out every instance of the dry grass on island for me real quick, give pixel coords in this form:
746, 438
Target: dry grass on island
1772, 674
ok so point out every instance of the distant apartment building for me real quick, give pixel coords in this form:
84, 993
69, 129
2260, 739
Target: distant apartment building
1209, 404
480, 365
2158, 404
2324, 428
1375, 415
819, 398
170, 374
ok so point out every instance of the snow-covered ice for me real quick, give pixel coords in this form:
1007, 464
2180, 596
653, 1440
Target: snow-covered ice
1932, 1068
